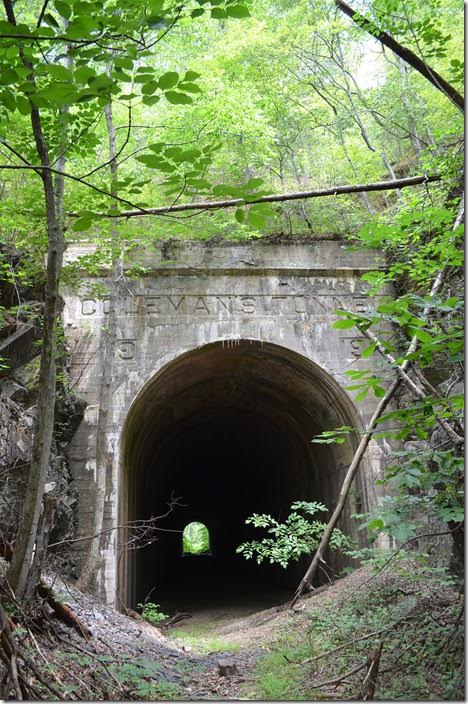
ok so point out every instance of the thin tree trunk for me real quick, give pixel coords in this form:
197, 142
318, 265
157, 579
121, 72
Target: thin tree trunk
363, 196
19, 569
43, 532
358, 455
350, 474
405, 96
109, 339
370, 680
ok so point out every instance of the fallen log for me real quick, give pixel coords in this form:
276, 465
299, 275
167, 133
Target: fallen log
63, 611
174, 619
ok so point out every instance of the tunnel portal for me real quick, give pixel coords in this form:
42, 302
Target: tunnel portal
226, 430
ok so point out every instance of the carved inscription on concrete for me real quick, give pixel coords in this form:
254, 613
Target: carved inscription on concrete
223, 305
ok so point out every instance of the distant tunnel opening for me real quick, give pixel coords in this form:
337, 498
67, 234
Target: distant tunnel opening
227, 430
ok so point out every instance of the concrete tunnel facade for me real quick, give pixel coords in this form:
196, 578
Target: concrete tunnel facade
225, 371
228, 430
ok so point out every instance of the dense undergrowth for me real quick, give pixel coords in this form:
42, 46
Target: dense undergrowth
415, 611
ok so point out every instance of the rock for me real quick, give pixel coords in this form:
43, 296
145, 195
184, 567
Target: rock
17, 392
227, 667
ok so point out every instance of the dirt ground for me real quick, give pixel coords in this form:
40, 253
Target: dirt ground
214, 654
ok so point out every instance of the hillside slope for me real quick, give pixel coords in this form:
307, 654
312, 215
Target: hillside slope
318, 651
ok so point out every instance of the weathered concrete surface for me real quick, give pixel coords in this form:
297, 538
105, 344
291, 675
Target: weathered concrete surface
281, 297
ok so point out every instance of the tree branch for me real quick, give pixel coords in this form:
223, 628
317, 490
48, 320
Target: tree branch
276, 198
404, 53
417, 390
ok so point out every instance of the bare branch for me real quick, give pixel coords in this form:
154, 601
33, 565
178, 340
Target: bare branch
275, 198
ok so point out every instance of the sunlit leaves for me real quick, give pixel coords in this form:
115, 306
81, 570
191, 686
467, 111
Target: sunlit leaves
298, 535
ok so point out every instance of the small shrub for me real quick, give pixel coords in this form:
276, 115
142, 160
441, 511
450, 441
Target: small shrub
298, 535
152, 613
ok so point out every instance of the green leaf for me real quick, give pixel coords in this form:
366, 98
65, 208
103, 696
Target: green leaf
123, 62
84, 73
8, 76
144, 77
168, 80
223, 190
22, 104
239, 215
150, 88
7, 28
156, 6
421, 335
198, 12
375, 525
189, 155
59, 93
253, 183
256, 220
51, 21
58, 72
176, 98
190, 87
82, 224
238, 11
218, 14
151, 160
8, 100
379, 391
63, 9
369, 351
343, 324
191, 76
150, 99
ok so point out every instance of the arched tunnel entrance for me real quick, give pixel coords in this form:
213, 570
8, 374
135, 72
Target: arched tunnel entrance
227, 429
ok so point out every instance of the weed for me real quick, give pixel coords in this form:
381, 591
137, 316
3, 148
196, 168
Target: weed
151, 612
277, 680
164, 690
204, 644
418, 613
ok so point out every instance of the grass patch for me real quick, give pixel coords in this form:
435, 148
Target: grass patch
199, 639
277, 680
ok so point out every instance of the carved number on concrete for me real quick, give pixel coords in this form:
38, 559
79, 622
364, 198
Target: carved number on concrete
354, 344
126, 349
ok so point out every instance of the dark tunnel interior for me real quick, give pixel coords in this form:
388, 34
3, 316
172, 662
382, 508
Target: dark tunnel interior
227, 432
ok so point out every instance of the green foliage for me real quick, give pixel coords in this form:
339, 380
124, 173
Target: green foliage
151, 612
195, 539
143, 679
424, 483
202, 642
297, 536
277, 680
413, 608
